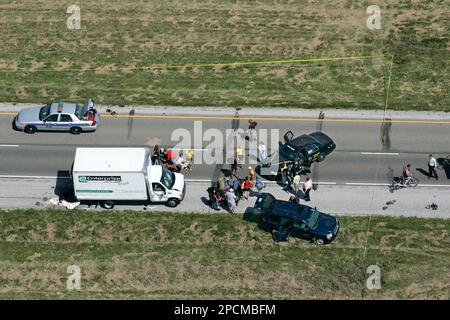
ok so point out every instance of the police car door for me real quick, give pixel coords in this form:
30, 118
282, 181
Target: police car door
65, 122
51, 122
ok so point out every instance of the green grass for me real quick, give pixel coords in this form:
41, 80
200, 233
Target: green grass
193, 256
104, 59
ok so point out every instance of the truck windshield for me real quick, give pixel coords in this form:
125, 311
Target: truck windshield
167, 178
313, 218
45, 111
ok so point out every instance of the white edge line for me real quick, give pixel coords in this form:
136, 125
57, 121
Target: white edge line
381, 153
10, 145
367, 184
187, 149
269, 182
32, 177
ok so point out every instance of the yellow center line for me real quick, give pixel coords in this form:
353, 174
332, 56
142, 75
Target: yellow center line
243, 63
199, 65
330, 120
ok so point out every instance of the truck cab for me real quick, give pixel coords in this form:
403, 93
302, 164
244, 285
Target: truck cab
165, 185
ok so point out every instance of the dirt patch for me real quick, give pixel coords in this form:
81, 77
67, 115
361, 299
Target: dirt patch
36, 65
44, 93
106, 69
161, 232
51, 231
21, 92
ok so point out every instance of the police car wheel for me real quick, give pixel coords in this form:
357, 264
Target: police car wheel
30, 129
75, 130
321, 157
108, 205
172, 203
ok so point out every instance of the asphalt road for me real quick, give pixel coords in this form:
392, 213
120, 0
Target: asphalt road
360, 156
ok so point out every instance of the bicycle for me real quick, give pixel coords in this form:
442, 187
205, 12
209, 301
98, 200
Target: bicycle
398, 183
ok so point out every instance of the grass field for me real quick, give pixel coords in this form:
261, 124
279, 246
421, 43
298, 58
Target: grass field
109, 57
189, 256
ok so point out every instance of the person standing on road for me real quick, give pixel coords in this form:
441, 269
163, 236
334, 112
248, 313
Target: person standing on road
260, 185
289, 178
297, 168
235, 165
247, 188
296, 184
190, 155
231, 199
262, 155
156, 155
307, 186
251, 173
221, 184
251, 134
212, 191
432, 164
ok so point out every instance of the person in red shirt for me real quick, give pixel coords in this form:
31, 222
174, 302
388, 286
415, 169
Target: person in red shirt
170, 155
247, 188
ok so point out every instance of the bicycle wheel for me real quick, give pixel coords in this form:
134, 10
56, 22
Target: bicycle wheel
413, 182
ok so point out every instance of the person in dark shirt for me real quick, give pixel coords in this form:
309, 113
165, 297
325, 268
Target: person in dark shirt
212, 191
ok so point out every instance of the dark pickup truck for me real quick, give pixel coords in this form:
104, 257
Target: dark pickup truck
284, 218
307, 148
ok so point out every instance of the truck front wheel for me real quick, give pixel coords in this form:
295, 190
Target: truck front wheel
172, 202
108, 205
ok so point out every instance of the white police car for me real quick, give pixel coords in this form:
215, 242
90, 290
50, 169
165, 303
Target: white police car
58, 116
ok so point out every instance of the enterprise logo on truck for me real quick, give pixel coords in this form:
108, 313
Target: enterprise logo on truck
85, 179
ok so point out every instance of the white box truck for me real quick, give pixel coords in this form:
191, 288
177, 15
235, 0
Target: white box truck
111, 175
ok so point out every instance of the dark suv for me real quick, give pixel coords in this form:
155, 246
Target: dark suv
284, 218
307, 148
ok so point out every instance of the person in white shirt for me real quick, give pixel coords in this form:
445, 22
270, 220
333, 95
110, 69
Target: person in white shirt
231, 199
262, 155
432, 164
180, 161
296, 184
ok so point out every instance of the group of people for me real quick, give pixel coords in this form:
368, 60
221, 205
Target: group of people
170, 159
229, 190
291, 179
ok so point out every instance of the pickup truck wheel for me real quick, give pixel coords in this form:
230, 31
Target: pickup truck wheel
319, 241
75, 130
29, 129
172, 203
321, 157
108, 205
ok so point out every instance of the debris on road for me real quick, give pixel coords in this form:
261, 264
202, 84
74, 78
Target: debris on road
391, 202
432, 206
64, 203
